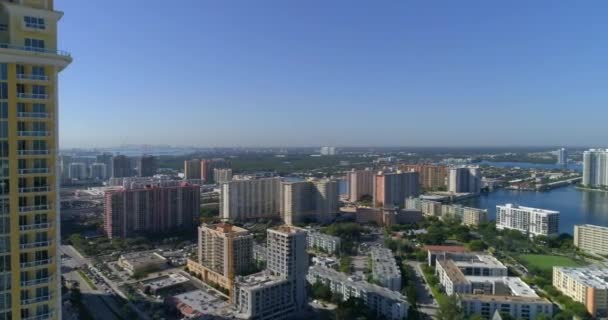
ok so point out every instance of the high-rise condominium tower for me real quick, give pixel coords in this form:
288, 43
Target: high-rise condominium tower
595, 168
464, 180
391, 189
29, 233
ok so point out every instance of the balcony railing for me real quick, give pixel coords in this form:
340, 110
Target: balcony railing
45, 316
33, 133
36, 244
26, 95
35, 263
40, 207
33, 170
24, 76
35, 282
32, 152
35, 300
34, 226
35, 189
37, 115
34, 49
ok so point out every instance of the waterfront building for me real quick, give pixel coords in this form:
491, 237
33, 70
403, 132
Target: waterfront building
78, 171
587, 285
360, 183
392, 188
224, 252
528, 220
146, 166
467, 215
322, 241
382, 301
328, 151
30, 281
428, 207
192, 169
562, 156
431, 177
385, 269
464, 180
98, 171
221, 175
121, 167
595, 168
315, 199
591, 238
279, 291
207, 166
150, 205
250, 198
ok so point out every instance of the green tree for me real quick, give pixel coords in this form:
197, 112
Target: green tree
476, 245
450, 309
321, 291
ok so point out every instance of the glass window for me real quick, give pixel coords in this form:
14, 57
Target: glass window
20, 69
21, 107
39, 107
34, 22
4, 90
3, 148
34, 44
38, 89
3, 129
38, 70
3, 71
3, 110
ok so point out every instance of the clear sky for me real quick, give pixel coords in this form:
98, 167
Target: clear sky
339, 72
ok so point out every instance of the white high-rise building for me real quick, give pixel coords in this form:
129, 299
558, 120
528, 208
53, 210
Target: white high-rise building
98, 171
562, 156
279, 292
221, 175
464, 180
528, 220
360, 183
328, 151
250, 198
595, 168
313, 199
78, 171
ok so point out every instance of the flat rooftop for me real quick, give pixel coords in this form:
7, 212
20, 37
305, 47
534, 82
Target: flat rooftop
259, 280
143, 258
516, 285
592, 226
452, 271
202, 302
491, 298
446, 248
592, 276
165, 281
477, 261
224, 227
537, 210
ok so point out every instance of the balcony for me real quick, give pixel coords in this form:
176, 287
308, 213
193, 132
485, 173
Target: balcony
35, 300
44, 316
37, 244
34, 49
34, 226
33, 133
35, 189
35, 282
36, 77
35, 115
36, 96
33, 171
41, 207
35, 263
33, 152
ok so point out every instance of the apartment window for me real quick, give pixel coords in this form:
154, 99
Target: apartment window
5, 264
3, 129
42, 273
38, 89
5, 225
38, 70
4, 90
5, 302
3, 110
4, 168
39, 107
20, 88
5, 245
39, 126
34, 44
3, 71
34, 22
20, 69
40, 145
21, 107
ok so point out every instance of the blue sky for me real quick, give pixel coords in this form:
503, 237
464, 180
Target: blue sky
343, 72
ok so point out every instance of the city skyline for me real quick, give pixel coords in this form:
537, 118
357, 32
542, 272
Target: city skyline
340, 73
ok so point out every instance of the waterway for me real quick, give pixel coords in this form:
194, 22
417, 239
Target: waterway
528, 165
575, 206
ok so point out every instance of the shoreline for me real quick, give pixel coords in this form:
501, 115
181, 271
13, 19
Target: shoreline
590, 189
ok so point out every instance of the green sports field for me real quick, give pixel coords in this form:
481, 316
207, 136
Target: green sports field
547, 262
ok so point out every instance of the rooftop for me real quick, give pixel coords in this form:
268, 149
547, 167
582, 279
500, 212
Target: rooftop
142, 258
384, 263
258, 280
201, 302
446, 248
537, 210
592, 276
500, 298
165, 281
477, 260
225, 227
452, 271
592, 226
516, 285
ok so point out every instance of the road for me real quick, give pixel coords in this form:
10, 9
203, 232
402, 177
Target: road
426, 303
92, 298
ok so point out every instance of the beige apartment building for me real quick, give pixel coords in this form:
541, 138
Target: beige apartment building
587, 285
591, 238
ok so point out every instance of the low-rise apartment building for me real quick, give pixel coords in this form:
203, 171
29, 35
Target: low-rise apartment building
591, 238
324, 242
385, 269
587, 285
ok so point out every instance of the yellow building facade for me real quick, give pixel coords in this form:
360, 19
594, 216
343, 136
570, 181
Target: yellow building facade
29, 220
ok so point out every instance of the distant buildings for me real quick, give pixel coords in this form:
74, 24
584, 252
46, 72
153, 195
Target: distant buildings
431, 177
391, 189
591, 238
250, 198
386, 217
146, 261
192, 169
146, 166
467, 215
150, 206
385, 269
381, 301
595, 168
221, 175
428, 207
99, 171
324, 242
78, 171
224, 252
360, 183
464, 180
527, 220
280, 291
316, 199
207, 166
562, 157
328, 151
587, 285
121, 167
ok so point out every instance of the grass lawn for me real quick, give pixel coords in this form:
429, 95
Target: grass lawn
547, 262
